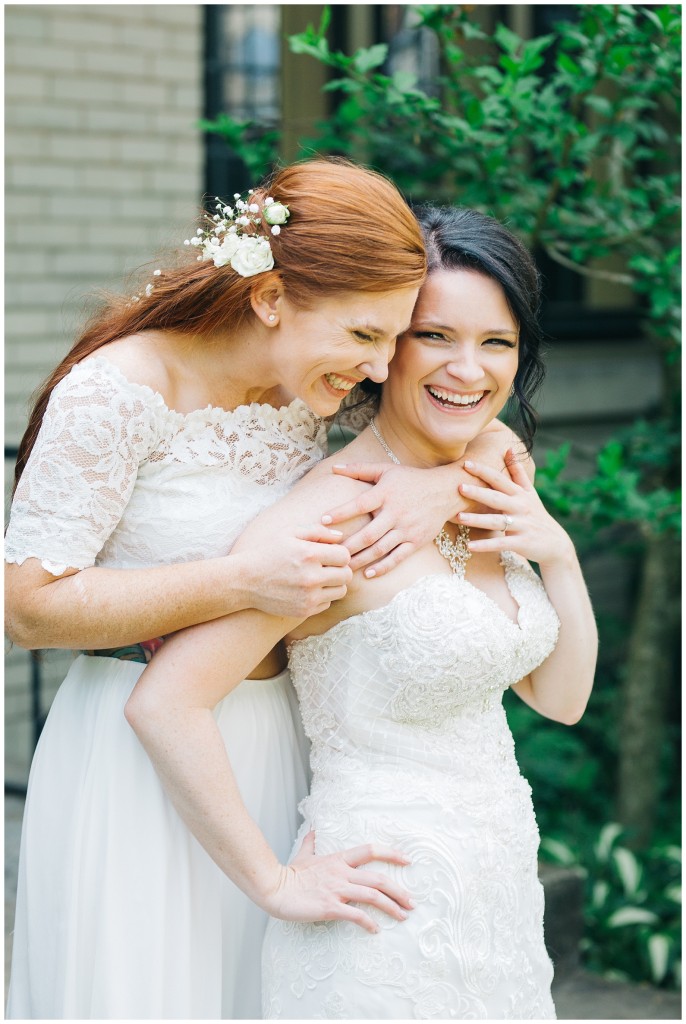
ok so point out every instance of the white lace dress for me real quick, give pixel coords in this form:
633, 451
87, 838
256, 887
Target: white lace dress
120, 912
411, 748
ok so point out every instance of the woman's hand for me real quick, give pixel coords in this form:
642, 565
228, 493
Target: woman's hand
408, 508
519, 519
293, 574
314, 888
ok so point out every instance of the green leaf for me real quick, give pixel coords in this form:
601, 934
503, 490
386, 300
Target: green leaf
325, 20
600, 104
506, 39
372, 57
403, 81
475, 113
559, 851
628, 868
631, 915
565, 63
599, 894
659, 947
348, 85
673, 893
313, 47
606, 840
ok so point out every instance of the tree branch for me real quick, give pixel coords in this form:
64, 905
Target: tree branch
601, 275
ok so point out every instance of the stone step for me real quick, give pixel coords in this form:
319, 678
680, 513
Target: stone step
581, 995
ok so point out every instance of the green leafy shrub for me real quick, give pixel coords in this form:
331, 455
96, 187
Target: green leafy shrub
633, 906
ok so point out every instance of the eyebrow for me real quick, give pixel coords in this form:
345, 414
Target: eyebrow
445, 327
371, 329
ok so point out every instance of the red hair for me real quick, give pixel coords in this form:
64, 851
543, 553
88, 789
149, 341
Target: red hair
349, 230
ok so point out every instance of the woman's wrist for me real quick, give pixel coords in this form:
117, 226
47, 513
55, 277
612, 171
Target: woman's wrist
240, 582
563, 560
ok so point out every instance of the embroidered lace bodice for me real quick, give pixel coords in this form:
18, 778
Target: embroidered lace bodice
423, 682
118, 479
411, 748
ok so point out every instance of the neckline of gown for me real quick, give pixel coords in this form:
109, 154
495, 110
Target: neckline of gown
506, 563
296, 410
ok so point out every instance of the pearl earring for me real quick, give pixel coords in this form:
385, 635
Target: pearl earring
271, 317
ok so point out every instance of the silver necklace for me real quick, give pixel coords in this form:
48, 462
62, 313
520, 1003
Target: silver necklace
455, 551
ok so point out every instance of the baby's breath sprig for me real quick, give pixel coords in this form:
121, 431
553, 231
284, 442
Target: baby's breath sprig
234, 234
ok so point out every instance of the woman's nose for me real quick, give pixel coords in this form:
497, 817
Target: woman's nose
376, 368
466, 368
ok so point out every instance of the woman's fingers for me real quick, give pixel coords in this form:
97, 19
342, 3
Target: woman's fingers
367, 554
384, 884
507, 481
348, 912
319, 534
500, 542
307, 845
376, 898
495, 499
368, 535
516, 467
496, 521
356, 856
321, 888
397, 555
369, 472
365, 504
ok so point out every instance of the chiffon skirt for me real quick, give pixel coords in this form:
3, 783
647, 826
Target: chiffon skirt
120, 912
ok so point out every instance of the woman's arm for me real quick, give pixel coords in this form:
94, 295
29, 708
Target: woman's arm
561, 686
410, 506
170, 710
97, 431
296, 574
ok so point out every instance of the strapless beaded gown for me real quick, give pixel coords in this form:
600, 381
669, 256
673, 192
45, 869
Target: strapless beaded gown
411, 748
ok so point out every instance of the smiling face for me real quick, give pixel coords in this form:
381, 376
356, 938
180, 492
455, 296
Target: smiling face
453, 369
345, 338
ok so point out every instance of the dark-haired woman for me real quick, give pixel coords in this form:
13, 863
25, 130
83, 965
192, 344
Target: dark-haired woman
179, 415
400, 684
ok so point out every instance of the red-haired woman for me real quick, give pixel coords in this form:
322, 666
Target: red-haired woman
178, 416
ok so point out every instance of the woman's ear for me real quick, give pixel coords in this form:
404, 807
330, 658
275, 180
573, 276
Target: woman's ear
266, 299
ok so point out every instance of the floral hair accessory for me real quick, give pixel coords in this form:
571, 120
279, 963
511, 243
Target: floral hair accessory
234, 235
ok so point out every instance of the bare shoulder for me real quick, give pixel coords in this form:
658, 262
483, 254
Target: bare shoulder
140, 360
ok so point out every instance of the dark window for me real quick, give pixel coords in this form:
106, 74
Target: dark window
242, 78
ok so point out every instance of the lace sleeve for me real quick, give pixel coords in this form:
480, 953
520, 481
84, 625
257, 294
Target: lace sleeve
82, 470
355, 412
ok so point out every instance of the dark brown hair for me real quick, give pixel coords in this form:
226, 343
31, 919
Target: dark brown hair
349, 230
458, 238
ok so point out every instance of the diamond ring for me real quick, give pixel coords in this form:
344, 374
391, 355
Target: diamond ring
508, 522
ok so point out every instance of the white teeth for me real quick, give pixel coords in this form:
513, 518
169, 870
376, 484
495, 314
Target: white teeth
340, 383
454, 399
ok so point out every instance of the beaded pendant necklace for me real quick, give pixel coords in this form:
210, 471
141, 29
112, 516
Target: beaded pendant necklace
456, 552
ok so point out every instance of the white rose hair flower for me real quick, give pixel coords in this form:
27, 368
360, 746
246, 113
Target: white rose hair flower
236, 235
276, 213
253, 256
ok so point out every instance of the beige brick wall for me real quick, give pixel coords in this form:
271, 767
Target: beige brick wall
103, 168
103, 164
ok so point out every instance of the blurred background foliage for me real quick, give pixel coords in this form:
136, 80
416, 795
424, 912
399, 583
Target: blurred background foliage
572, 139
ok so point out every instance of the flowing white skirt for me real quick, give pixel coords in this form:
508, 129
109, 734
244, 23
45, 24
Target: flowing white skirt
120, 912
